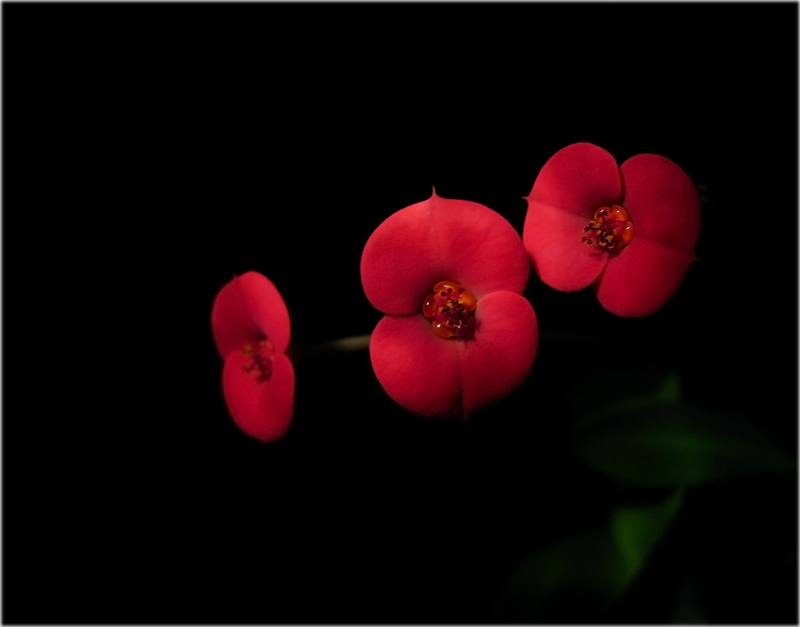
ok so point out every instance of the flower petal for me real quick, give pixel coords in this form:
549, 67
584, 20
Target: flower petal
642, 278
246, 310
443, 378
264, 409
416, 368
578, 179
438, 239
499, 359
552, 238
662, 201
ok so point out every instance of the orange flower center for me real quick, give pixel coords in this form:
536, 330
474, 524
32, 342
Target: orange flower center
610, 228
451, 310
260, 359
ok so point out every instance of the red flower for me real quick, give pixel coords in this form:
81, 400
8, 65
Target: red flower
629, 231
251, 329
458, 335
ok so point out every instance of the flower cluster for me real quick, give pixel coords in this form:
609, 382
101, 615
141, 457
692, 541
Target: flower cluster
458, 334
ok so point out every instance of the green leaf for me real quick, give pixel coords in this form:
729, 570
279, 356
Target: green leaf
578, 576
622, 389
637, 529
660, 444
581, 572
635, 427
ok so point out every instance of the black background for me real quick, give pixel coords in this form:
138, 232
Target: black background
153, 151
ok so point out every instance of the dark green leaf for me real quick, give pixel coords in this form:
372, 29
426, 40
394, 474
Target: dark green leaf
577, 576
635, 426
661, 444
637, 529
582, 572
592, 396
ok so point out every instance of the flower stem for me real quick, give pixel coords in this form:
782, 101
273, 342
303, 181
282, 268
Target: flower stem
297, 351
567, 337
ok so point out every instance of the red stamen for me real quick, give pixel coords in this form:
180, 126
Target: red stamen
260, 359
450, 308
610, 227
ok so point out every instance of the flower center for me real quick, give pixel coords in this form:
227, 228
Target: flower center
451, 310
260, 357
610, 228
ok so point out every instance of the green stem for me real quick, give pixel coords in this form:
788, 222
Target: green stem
342, 345
298, 352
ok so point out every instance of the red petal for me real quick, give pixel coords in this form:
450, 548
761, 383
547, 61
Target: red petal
418, 369
552, 238
499, 359
578, 179
262, 410
642, 278
438, 239
443, 378
662, 201
246, 309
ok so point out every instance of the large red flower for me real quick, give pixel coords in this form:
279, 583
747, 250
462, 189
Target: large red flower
628, 231
458, 334
251, 329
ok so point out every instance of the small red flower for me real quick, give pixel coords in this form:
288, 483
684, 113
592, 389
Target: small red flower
458, 334
251, 329
629, 231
